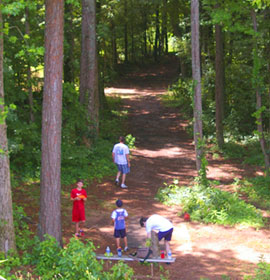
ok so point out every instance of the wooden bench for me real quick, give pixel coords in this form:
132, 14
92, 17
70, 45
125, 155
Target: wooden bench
128, 258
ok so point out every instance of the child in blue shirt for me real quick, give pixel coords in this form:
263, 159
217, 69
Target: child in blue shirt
119, 216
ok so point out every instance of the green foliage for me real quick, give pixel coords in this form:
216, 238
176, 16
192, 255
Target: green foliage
11, 261
45, 257
201, 179
76, 261
180, 95
262, 272
49, 261
113, 119
257, 190
121, 271
22, 232
82, 155
130, 141
3, 111
211, 205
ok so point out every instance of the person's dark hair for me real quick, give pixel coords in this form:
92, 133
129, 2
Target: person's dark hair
119, 202
122, 139
142, 221
79, 180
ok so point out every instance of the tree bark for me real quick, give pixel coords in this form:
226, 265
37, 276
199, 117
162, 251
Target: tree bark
114, 44
126, 31
69, 63
219, 85
259, 103
157, 39
7, 235
196, 75
50, 195
89, 65
164, 36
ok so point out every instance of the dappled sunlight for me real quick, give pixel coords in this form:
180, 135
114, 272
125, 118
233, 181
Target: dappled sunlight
165, 152
131, 92
120, 91
222, 171
182, 242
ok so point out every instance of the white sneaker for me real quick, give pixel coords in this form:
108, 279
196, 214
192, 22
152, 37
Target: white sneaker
123, 186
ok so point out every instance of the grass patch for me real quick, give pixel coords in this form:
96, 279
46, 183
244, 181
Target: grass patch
211, 205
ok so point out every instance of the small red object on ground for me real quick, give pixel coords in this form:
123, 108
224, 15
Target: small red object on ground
186, 217
162, 255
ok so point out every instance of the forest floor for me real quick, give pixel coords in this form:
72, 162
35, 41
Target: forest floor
164, 152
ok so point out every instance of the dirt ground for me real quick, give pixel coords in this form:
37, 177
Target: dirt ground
165, 152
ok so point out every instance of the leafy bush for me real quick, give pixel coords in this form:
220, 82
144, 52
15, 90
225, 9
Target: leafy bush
211, 205
22, 232
262, 272
257, 190
180, 95
76, 261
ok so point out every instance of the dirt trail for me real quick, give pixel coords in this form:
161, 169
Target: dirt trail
165, 152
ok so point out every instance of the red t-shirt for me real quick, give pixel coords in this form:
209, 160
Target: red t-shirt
78, 212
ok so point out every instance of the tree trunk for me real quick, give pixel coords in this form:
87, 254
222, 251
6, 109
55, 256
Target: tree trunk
7, 236
145, 33
156, 48
164, 36
126, 32
114, 44
69, 51
259, 100
196, 75
219, 85
50, 195
89, 65
132, 39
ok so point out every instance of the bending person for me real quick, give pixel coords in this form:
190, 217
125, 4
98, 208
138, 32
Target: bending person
160, 224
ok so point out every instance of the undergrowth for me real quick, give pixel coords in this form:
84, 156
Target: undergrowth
256, 190
49, 261
211, 205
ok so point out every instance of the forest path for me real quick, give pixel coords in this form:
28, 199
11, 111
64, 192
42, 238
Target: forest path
164, 152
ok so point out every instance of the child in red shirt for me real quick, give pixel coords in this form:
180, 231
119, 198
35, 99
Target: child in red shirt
78, 196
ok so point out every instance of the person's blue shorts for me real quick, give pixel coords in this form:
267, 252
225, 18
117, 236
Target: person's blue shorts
167, 235
120, 233
123, 168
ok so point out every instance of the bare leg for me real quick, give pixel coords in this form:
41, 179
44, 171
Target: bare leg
125, 241
123, 178
77, 228
167, 246
81, 225
117, 242
118, 175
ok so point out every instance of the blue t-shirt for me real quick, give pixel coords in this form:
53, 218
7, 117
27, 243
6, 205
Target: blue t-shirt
119, 216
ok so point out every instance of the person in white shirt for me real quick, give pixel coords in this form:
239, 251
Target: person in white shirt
120, 156
160, 224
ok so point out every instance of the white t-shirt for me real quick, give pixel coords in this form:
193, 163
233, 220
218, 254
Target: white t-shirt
157, 222
120, 151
